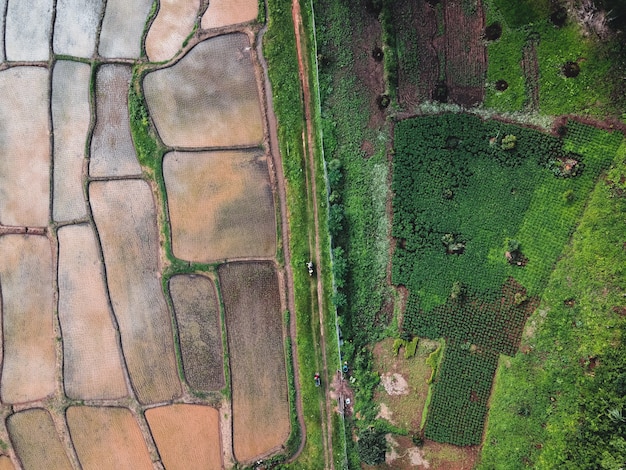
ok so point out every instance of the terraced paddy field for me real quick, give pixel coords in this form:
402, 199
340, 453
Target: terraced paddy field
133, 335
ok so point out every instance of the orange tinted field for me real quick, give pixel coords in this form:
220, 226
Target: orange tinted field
209, 98
221, 205
125, 217
227, 12
197, 316
107, 438
257, 359
92, 364
187, 436
28, 366
36, 441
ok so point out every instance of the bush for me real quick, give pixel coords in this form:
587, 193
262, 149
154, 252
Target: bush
372, 446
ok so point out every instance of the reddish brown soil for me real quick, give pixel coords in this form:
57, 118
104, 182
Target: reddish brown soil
187, 436
465, 53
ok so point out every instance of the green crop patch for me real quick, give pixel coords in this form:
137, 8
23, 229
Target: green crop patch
482, 211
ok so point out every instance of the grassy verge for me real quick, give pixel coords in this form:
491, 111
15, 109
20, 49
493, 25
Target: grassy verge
543, 412
280, 52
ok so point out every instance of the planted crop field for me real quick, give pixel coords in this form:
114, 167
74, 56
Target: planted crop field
112, 149
25, 144
70, 121
221, 205
36, 441
28, 362
173, 23
107, 438
122, 28
257, 359
482, 210
225, 13
199, 330
187, 436
209, 98
92, 363
76, 26
27, 30
125, 218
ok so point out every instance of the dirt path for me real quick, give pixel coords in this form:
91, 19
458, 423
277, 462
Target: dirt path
314, 238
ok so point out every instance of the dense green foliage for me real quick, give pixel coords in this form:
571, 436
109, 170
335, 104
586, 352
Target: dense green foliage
560, 404
480, 224
522, 12
372, 446
460, 394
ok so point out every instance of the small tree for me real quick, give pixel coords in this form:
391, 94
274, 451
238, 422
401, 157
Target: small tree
508, 142
372, 446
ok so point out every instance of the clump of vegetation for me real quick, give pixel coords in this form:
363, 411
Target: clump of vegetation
508, 142
372, 446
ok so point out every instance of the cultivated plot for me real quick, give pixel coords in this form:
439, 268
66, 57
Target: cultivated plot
70, 121
174, 22
199, 330
125, 217
187, 436
221, 205
24, 146
107, 438
76, 27
36, 441
209, 98
228, 12
257, 358
112, 149
28, 367
27, 32
92, 365
122, 28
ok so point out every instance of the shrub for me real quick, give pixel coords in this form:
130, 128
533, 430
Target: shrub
411, 348
372, 446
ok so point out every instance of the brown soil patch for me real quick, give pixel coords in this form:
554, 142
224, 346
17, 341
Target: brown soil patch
187, 436
465, 52
221, 205
25, 146
122, 28
70, 121
228, 12
107, 438
112, 149
530, 67
92, 364
36, 441
394, 384
169, 29
5, 463
199, 330
209, 98
125, 217
26, 277
255, 341
340, 390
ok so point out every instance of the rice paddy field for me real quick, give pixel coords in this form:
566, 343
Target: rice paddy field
141, 300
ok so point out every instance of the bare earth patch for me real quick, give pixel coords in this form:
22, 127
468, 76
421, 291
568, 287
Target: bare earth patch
107, 438
228, 12
76, 26
70, 120
221, 205
29, 362
92, 363
169, 29
395, 384
199, 330
24, 146
209, 98
122, 28
125, 217
36, 440
112, 149
187, 436
257, 359
27, 33
5, 463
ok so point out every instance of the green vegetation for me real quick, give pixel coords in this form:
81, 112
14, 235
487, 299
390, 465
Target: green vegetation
560, 404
